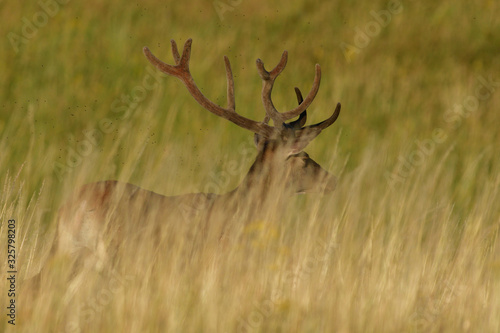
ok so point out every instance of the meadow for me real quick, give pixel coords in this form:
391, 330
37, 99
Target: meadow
408, 242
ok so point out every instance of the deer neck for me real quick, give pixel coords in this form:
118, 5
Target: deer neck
261, 189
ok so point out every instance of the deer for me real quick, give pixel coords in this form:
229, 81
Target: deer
280, 170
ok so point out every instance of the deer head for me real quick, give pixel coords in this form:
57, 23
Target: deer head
281, 159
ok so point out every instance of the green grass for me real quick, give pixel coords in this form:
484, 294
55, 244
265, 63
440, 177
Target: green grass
419, 253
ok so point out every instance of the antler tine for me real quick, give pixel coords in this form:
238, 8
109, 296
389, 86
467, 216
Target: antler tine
267, 87
309, 98
165, 68
175, 51
300, 99
325, 123
299, 123
231, 104
186, 54
181, 71
303, 116
308, 133
279, 67
265, 75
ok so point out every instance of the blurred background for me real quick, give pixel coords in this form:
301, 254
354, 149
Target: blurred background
396, 67
419, 83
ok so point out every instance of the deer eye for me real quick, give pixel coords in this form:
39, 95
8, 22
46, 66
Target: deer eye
304, 157
298, 157
302, 161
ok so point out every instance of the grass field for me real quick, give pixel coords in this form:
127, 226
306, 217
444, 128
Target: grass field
408, 242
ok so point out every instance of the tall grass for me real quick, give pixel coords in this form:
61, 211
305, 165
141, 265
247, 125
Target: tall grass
409, 241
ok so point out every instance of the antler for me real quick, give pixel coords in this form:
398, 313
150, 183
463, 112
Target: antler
299, 123
181, 71
308, 133
267, 87
303, 134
